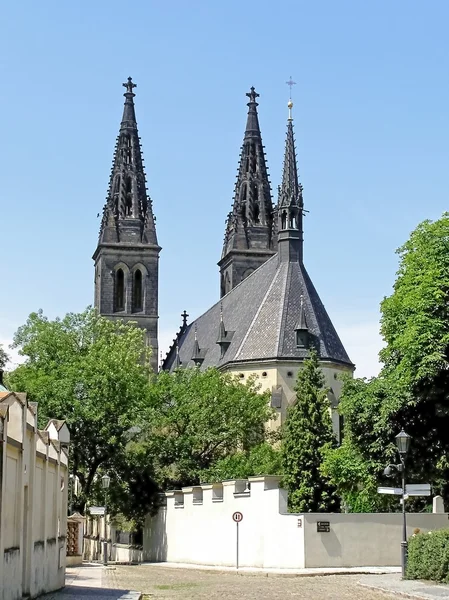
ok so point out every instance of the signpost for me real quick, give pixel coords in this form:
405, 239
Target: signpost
96, 510
412, 489
237, 517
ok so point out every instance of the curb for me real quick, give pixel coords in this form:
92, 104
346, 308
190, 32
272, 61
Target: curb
415, 596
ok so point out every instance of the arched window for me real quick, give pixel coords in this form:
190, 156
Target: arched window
284, 220
119, 290
137, 291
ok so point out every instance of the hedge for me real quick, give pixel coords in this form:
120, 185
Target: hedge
428, 556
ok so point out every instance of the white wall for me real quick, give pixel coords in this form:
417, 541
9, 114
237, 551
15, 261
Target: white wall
359, 539
33, 502
191, 530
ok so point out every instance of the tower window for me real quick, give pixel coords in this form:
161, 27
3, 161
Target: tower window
137, 291
119, 290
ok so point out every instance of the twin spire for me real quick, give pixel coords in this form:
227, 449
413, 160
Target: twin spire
128, 213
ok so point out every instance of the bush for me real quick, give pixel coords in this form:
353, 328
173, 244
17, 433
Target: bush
428, 556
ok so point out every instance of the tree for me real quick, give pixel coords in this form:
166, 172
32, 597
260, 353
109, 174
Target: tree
194, 420
262, 459
307, 435
412, 390
93, 373
4, 358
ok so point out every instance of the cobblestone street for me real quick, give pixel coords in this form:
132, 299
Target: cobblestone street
162, 583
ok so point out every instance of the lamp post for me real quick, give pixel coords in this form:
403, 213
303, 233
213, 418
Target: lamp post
403, 444
105, 481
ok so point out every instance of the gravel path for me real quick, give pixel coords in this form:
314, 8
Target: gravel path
162, 583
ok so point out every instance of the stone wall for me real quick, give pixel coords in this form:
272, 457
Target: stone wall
33, 500
196, 527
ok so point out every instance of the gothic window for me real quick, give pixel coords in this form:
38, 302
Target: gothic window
256, 214
119, 296
227, 284
292, 223
283, 220
137, 291
128, 196
117, 185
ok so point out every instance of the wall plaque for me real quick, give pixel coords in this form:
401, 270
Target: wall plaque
323, 526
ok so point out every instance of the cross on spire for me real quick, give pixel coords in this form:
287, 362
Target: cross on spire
184, 316
129, 85
290, 84
252, 94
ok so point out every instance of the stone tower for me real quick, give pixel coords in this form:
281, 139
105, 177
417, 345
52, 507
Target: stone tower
250, 236
127, 255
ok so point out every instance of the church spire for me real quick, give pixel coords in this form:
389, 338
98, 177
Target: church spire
128, 214
290, 202
249, 236
127, 254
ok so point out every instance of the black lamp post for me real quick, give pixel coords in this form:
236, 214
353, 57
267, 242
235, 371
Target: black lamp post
105, 481
403, 444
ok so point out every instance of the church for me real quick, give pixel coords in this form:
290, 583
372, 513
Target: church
269, 314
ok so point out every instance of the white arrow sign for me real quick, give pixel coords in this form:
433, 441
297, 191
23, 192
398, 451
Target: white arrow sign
96, 510
389, 490
413, 489
418, 489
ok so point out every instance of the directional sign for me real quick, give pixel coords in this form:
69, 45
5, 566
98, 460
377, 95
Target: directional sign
237, 517
418, 489
413, 489
389, 490
96, 510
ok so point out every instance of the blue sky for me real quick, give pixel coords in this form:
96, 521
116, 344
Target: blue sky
371, 122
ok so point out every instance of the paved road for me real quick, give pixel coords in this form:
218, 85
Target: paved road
162, 583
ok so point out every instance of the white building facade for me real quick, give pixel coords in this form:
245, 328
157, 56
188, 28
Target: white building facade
33, 500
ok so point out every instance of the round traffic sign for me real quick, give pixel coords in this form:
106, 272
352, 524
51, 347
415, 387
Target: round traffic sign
237, 517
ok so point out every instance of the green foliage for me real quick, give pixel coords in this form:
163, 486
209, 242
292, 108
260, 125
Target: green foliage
93, 373
263, 459
428, 556
4, 358
195, 420
148, 432
307, 437
412, 390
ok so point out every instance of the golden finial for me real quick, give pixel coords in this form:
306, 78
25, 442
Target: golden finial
290, 84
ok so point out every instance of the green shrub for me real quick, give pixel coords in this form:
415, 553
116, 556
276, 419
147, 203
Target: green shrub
428, 556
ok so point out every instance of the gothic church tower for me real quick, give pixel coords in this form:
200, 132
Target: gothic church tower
127, 255
250, 236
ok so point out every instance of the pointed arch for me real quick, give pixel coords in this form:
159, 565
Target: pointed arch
119, 291
137, 291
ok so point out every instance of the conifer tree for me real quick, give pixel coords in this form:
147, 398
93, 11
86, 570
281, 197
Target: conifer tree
307, 434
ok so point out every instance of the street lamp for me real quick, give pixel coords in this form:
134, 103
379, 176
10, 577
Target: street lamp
403, 444
105, 481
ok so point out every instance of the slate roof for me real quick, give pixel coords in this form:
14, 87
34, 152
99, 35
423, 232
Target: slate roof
261, 314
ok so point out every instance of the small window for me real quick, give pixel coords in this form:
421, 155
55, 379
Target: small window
242, 375
289, 373
137, 291
119, 290
264, 374
302, 338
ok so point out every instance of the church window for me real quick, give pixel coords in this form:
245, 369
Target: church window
284, 220
137, 291
119, 290
289, 373
264, 374
128, 196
